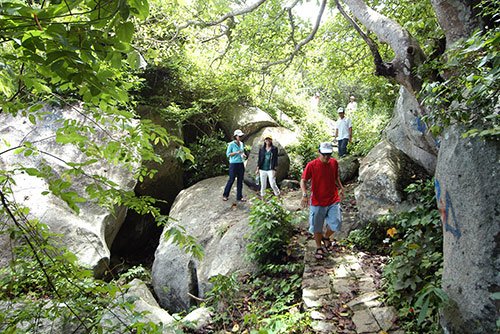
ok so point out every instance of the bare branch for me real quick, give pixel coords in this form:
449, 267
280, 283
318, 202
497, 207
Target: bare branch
299, 45
291, 19
241, 11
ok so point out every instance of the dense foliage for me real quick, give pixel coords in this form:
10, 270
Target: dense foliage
367, 129
473, 86
264, 303
268, 301
413, 239
73, 56
210, 159
271, 231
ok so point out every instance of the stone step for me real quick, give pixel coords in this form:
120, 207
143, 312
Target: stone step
341, 297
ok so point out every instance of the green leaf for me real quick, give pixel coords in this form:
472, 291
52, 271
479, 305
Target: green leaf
140, 8
423, 311
134, 59
69, 137
125, 32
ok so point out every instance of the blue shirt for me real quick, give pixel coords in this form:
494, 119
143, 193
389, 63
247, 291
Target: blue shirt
233, 147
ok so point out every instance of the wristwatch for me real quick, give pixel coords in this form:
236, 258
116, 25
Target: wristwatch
304, 195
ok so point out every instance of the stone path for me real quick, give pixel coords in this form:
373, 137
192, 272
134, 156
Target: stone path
341, 297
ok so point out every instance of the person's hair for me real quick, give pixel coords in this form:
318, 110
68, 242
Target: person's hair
264, 144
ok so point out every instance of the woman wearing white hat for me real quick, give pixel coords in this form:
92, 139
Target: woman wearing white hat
266, 166
236, 154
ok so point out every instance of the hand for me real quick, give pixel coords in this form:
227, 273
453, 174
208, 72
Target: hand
243, 155
305, 202
341, 193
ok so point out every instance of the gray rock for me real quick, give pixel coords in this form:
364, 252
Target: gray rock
316, 315
384, 173
467, 190
365, 301
283, 136
366, 284
247, 119
385, 316
198, 318
290, 184
220, 227
89, 233
117, 319
323, 327
344, 285
348, 168
365, 322
315, 293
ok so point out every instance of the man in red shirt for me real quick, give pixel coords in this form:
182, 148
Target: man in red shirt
325, 198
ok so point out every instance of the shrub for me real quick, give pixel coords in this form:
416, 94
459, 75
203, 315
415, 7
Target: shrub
413, 274
267, 302
371, 237
271, 231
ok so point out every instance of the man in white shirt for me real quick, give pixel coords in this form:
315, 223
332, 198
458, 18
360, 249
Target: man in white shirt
351, 106
343, 132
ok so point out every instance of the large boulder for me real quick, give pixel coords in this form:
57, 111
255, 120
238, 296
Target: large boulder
409, 134
256, 142
348, 169
467, 190
219, 227
247, 119
283, 136
88, 233
383, 175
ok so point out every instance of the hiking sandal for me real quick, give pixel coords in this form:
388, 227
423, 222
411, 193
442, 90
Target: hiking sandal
329, 245
319, 254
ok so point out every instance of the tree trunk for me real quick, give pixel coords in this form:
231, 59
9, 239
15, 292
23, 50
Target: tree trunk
456, 17
466, 179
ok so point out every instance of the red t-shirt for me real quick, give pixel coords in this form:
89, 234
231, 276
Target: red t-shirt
323, 184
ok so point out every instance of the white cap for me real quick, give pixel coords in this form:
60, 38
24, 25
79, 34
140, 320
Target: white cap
325, 148
238, 133
339, 110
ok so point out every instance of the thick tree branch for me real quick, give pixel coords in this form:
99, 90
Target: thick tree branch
381, 68
408, 54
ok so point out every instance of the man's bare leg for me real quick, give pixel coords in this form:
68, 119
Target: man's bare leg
318, 238
326, 239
